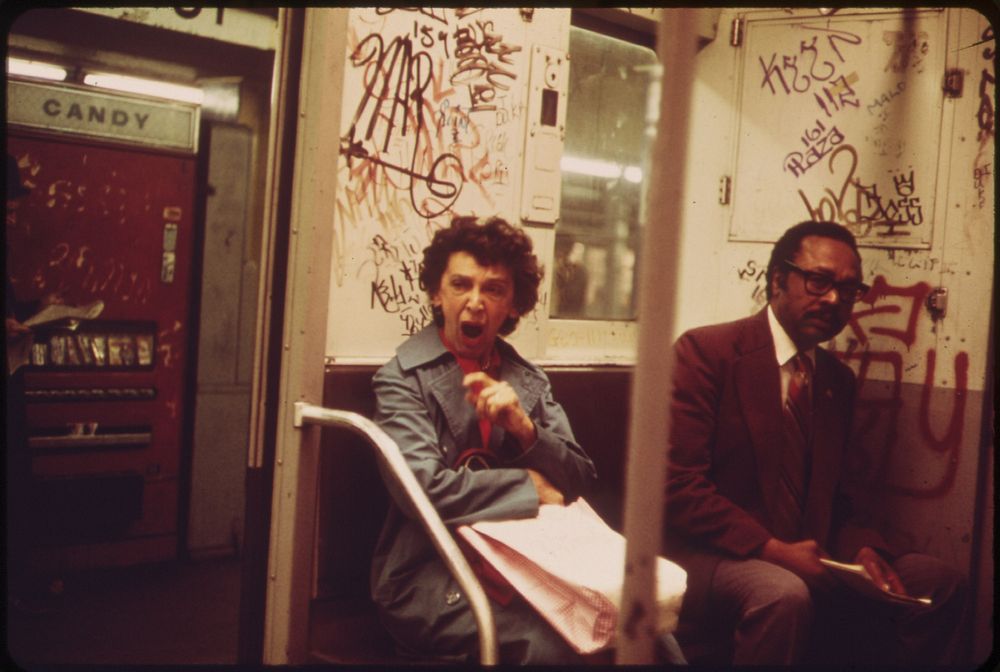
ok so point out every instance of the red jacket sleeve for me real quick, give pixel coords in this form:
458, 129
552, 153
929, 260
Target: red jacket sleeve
695, 508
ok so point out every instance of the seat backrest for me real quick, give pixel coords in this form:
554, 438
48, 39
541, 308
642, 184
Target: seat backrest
353, 499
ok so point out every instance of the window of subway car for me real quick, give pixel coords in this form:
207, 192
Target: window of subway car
604, 171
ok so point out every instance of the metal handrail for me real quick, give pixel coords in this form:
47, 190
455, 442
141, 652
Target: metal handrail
391, 457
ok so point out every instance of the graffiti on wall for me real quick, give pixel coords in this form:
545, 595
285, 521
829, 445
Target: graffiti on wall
883, 346
859, 206
982, 169
841, 103
755, 273
845, 198
483, 63
912, 403
63, 259
395, 286
429, 136
816, 68
877, 169
897, 376
818, 142
79, 267
396, 78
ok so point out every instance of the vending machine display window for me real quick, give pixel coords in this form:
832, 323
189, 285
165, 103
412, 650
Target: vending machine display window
109, 345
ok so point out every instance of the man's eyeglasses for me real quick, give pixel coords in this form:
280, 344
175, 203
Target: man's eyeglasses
820, 284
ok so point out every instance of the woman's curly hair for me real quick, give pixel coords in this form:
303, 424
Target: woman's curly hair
491, 243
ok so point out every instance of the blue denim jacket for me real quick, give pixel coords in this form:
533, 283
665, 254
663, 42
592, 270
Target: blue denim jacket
420, 402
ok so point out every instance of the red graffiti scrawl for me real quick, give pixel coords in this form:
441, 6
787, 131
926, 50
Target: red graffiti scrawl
894, 315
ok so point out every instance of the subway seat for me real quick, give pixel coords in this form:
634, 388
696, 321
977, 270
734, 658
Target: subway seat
344, 627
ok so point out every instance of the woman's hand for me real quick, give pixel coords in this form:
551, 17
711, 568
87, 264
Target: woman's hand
497, 402
547, 493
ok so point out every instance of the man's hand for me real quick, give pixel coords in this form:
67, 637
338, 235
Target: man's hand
498, 402
882, 573
547, 493
801, 558
15, 329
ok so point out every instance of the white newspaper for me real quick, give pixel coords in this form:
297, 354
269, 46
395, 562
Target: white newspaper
19, 349
57, 311
569, 565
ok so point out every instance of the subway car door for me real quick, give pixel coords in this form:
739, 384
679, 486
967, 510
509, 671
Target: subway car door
108, 219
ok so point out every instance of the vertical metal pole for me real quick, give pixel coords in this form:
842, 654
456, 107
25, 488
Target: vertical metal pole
267, 329
649, 421
310, 244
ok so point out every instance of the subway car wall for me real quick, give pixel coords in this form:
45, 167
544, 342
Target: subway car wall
882, 120
771, 145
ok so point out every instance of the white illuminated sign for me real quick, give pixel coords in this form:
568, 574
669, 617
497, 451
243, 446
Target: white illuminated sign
85, 111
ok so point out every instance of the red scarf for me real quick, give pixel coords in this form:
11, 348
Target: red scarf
494, 584
491, 369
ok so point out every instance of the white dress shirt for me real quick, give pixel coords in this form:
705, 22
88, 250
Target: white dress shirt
785, 351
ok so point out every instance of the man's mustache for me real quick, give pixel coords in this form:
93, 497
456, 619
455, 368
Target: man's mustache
827, 315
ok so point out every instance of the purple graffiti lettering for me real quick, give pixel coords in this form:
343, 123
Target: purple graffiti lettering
985, 113
794, 75
819, 142
771, 70
834, 35
870, 210
432, 13
395, 81
839, 95
810, 48
908, 50
480, 54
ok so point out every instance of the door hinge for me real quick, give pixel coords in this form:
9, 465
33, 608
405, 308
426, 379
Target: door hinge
725, 189
954, 80
736, 36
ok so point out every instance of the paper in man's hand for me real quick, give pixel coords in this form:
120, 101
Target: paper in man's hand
857, 578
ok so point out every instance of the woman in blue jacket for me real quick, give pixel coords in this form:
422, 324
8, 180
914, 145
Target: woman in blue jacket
478, 426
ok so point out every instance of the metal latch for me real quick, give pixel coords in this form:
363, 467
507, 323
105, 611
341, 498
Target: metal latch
937, 303
954, 79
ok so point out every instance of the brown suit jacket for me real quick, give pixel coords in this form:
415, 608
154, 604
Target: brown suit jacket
725, 443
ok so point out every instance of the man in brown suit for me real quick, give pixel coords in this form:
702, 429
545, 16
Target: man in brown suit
760, 423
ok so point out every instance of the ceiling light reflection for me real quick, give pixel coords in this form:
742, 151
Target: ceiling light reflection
148, 87
26, 68
602, 169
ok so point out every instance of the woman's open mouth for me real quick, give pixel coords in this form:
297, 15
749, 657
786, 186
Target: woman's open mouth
470, 330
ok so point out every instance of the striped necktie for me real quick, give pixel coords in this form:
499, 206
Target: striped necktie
798, 405
794, 459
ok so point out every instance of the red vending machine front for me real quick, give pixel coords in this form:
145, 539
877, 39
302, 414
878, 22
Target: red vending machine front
105, 397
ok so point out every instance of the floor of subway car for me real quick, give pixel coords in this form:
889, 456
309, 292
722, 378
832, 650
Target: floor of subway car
174, 613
